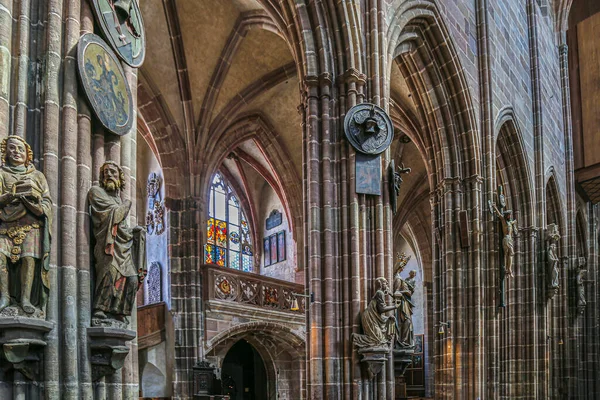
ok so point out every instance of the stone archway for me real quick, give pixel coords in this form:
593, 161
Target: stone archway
281, 349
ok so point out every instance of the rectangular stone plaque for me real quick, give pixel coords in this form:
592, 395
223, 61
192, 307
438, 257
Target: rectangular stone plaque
368, 174
274, 219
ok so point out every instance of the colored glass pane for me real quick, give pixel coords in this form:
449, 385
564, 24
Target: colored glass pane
211, 206
228, 232
220, 256
234, 259
220, 206
209, 254
234, 211
210, 230
246, 263
221, 233
234, 239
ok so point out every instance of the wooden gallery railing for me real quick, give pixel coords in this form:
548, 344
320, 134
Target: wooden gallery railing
151, 324
228, 284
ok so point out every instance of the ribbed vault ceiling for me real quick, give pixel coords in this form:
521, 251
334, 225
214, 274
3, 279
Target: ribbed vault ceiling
215, 61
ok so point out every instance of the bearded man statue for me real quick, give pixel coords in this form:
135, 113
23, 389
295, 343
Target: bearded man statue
119, 251
25, 223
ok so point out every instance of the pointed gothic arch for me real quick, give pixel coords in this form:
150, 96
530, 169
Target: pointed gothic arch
513, 170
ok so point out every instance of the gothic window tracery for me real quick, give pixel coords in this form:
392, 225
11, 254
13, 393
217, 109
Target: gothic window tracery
229, 242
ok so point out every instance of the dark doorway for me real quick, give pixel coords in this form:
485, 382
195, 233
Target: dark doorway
243, 375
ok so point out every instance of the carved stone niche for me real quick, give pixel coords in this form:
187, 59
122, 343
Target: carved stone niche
109, 349
22, 342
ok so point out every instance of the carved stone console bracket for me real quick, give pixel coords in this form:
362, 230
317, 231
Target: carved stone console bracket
375, 358
109, 349
22, 342
402, 360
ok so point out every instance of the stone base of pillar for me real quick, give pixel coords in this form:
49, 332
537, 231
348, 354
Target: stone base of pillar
402, 359
109, 349
22, 342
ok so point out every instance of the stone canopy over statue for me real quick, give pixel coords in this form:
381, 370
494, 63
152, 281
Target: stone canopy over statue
119, 251
25, 223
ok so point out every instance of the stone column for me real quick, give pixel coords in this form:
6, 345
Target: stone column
53, 115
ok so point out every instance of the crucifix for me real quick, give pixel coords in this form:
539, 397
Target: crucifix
507, 250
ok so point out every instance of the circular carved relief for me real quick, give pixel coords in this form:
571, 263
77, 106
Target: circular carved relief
104, 83
368, 128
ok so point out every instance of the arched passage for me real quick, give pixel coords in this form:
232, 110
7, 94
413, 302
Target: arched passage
281, 349
243, 373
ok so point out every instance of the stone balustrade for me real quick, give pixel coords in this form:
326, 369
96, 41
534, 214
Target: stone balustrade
232, 285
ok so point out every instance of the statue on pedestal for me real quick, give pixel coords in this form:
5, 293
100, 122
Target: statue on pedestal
378, 327
509, 229
403, 291
25, 224
119, 252
552, 259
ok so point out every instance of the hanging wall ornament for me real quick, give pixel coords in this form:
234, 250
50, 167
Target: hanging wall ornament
104, 83
159, 217
368, 128
155, 217
122, 26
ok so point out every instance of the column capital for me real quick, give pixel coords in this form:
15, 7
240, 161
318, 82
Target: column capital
352, 75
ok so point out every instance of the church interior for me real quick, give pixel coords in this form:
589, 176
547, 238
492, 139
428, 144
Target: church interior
299, 199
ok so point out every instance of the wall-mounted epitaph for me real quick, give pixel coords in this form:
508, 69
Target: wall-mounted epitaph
274, 248
274, 220
368, 174
122, 25
104, 83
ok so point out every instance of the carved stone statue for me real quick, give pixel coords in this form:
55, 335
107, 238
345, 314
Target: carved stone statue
25, 224
509, 228
398, 177
403, 291
553, 260
378, 327
581, 281
119, 252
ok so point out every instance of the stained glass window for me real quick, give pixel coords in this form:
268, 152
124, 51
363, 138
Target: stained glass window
229, 242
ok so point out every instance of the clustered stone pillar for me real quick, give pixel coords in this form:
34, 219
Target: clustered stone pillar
43, 102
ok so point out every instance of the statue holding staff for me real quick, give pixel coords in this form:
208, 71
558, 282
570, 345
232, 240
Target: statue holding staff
119, 251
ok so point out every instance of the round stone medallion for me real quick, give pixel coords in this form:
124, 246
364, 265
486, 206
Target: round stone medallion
104, 83
368, 128
122, 26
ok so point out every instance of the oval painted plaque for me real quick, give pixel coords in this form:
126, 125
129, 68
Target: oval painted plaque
122, 26
104, 83
368, 128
